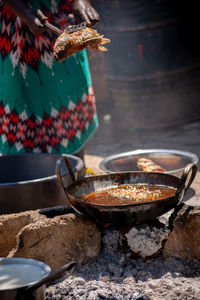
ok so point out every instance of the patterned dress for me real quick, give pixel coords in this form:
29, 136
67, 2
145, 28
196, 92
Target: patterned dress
45, 106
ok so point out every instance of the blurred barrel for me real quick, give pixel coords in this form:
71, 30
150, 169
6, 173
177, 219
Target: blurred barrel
153, 63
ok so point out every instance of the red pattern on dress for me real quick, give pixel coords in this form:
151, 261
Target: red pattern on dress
27, 47
52, 130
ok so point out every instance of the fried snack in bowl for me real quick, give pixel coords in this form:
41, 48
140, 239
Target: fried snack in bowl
147, 165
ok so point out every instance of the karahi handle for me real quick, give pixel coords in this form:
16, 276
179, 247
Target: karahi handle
61, 179
186, 180
58, 171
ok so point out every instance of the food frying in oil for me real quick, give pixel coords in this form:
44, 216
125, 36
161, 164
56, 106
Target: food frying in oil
129, 194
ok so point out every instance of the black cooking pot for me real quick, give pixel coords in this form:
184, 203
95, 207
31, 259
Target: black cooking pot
29, 182
26, 279
125, 213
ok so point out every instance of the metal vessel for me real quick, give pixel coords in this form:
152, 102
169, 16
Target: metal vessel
29, 182
174, 161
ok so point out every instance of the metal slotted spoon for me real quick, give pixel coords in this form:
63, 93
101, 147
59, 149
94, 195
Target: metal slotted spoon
68, 29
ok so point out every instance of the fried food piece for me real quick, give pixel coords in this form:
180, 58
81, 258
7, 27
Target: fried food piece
70, 43
147, 165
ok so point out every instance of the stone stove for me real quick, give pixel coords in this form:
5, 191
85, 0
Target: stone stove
110, 265
119, 273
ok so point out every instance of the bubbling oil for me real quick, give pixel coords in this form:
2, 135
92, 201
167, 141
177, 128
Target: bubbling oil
129, 194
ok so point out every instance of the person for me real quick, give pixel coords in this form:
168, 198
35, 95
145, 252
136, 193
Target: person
45, 106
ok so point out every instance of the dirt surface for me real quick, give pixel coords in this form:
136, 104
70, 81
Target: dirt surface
110, 140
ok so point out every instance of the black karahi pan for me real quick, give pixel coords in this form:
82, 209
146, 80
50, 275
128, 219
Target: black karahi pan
123, 214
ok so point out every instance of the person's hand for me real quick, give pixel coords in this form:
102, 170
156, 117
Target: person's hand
84, 12
35, 20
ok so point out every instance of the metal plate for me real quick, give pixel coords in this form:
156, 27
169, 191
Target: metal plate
21, 272
174, 161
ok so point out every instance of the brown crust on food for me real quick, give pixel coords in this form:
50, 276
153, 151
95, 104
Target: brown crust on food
147, 165
70, 43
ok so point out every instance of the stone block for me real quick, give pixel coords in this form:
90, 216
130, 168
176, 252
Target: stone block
184, 240
10, 225
54, 241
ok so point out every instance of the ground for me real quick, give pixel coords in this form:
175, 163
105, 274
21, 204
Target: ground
107, 141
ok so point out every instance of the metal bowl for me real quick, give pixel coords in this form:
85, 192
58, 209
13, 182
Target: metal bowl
174, 161
17, 272
25, 278
28, 181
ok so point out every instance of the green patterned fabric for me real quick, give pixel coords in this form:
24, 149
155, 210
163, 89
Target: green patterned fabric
45, 106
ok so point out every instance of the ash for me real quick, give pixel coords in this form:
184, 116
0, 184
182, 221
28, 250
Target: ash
147, 240
119, 275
